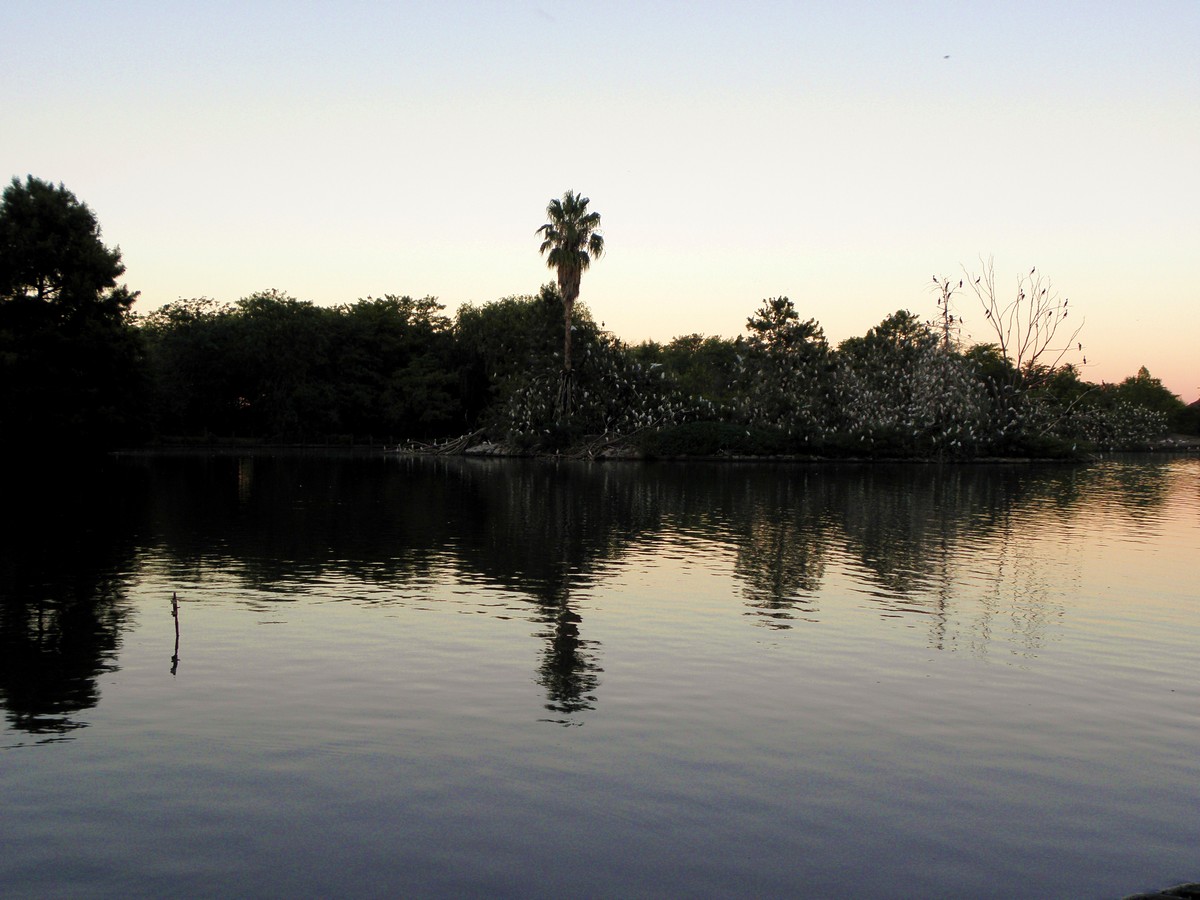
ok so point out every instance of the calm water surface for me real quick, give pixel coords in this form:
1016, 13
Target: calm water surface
445, 677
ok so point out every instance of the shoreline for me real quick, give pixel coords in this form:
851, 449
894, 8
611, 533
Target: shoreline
1173, 445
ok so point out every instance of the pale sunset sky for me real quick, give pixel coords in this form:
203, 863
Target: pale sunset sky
840, 153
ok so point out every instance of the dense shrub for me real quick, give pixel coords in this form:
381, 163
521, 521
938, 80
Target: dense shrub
714, 439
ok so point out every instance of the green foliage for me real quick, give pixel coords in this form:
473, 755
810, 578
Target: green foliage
785, 371
902, 392
50, 251
503, 344
989, 366
714, 439
897, 392
71, 373
1148, 392
704, 368
393, 367
281, 347
615, 394
535, 369
571, 239
190, 350
513, 372
273, 367
900, 336
1188, 420
1112, 426
1128, 416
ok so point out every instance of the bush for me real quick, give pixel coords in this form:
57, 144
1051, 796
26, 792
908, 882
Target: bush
1188, 421
714, 439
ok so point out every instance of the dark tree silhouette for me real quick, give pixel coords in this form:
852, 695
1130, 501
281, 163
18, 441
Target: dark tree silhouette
70, 364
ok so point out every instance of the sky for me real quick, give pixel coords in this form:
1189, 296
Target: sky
838, 153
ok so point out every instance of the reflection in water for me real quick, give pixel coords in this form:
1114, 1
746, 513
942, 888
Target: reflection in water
53, 653
782, 566
784, 670
568, 670
175, 616
245, 478
1138, 488
948, 541
68, 545
950, 545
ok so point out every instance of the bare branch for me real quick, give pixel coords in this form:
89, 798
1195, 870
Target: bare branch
1028, 326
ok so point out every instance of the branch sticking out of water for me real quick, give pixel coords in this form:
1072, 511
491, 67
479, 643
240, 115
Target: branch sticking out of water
175, 616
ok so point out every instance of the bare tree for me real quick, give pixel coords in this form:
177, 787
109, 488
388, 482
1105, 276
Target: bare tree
1031, 331
947, 322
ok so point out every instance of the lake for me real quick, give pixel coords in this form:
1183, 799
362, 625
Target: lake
399, 676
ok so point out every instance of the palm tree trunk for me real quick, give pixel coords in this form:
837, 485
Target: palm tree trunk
565, 400
566, 381
568, 314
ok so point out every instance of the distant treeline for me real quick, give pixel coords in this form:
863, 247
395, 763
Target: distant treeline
78, 369
392, 369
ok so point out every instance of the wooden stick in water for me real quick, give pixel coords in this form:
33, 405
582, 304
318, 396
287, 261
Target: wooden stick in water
175, 616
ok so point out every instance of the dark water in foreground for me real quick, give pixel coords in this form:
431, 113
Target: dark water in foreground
444, 677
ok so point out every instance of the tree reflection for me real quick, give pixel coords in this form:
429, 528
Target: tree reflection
783, 546
67, 542
54, 650
1139, 490
950, 542
947, 543
899, 522
569, 671
544, 530
539, 530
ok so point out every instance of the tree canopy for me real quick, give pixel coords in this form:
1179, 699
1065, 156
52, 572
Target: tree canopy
77, 369
70, 363
51, 251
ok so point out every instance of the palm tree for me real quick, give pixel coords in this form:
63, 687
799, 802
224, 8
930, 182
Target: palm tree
570, 241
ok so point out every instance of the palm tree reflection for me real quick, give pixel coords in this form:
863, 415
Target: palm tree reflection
543, 530
953, 547
568, 671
